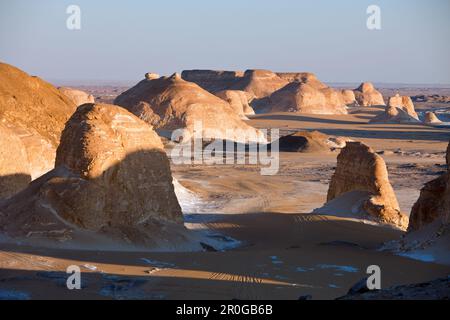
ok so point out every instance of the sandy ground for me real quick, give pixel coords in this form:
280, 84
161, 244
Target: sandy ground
284, 251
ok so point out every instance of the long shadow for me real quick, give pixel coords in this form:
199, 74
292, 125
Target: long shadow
302, 118
13, 183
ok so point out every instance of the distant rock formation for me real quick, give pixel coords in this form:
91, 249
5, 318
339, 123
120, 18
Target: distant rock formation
405, 103
309, 96
35, 112
349, 97
260, 83
394, 115
238, 100
309, 141
361, 180
212, 80
151, 76
366, 95
112, 177
78, 97
171, 103
430, 117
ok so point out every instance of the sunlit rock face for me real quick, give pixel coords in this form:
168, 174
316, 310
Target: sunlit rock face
405, 103
366, 95
238, 100
78, 97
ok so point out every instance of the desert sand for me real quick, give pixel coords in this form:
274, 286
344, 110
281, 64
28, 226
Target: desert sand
269, 245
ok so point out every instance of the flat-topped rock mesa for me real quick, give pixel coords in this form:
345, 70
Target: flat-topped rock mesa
367, 96
238, 100
212, 80
307, 95
430, 117
394, 115
112, 178
260, 83
171, 103
78, 97
361, 182
405, 103
35, 112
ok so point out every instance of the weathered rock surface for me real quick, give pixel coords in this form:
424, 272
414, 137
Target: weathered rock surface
35, 112
179, 104
78, 97
405, 103
112, 177
307, 97
309, 141
151, 76
394, 115
430, 117
438, 289
238, 100
366, 95
349, 97
260, 83
360, 169
212, 80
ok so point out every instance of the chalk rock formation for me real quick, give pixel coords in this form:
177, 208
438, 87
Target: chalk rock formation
35, 112
394, 115
362, 172
405, 103
212, 80
151, 76
14, 168
349, 97
307, 97
260, 83
366, 95
433, 202
430, 117
112, 177
78, 97
305, 141
179, 104
238, 100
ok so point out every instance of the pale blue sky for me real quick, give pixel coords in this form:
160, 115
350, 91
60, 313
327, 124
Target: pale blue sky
121, 40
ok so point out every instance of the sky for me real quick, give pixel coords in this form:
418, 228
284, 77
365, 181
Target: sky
119, 41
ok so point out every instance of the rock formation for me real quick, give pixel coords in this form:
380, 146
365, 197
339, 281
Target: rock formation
349, 97
212, 80
260, 83
434, 201
366, 95
307, 97
305, 141
35, 112
361, 176
238, 100
405, 103
112, 177
151, 76
430, 117
173, 103
394, 115
78, 97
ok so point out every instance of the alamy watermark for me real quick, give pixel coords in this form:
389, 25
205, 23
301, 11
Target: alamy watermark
73, 22
374, 19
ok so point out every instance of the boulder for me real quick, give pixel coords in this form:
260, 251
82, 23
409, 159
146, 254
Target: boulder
112, 178
307, 141
430, 117
366, 95
34, 112
179, 104
361, 177
405, 103
394, 115
78, 97
349, 97
151, 76
238, 100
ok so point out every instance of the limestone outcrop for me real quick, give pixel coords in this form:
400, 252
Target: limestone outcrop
394, 115
349, 97
361, 177
260, 83
112, 178
171, 103
238, 100
78, 97
430, 117
366, 95
405, 103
